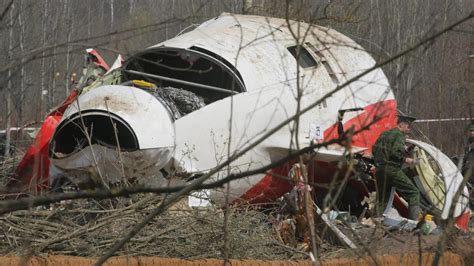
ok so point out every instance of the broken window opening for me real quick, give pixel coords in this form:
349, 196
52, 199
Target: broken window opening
195, 70
218, 57
102, 128
305, 59
325, 63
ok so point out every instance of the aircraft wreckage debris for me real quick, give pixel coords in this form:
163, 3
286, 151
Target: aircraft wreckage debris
164, 115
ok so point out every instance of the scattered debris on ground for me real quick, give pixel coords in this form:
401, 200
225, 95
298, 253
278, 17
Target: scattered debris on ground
88, 228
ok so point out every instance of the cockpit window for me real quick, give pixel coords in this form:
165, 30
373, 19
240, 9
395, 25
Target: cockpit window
305, 59
193, 70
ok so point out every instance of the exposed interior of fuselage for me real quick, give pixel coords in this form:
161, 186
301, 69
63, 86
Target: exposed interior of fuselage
357, 184
196, 70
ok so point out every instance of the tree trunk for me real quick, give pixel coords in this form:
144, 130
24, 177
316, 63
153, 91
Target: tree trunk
43, 91
9, 86
246, 5
68, 51
21, 97
111, 15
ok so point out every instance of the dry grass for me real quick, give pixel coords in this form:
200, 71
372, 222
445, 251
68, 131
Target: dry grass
7, 167
89, 228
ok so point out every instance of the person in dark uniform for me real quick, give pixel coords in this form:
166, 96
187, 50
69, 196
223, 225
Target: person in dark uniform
389, 156
467, 169
468, 161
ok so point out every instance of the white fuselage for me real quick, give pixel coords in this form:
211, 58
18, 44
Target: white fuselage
260, 54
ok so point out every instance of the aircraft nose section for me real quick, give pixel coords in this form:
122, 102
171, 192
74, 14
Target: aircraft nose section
113, 133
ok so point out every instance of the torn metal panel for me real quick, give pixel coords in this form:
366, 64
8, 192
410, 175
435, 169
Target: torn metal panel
333, 228
451, 177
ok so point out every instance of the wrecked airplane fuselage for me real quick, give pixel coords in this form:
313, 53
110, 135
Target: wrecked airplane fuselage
245, 71
183, 106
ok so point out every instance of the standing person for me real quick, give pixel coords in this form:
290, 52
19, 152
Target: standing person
389, 156
467, 169
468, 161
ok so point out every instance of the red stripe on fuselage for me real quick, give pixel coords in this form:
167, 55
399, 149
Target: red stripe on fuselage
272, 186
380, 116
